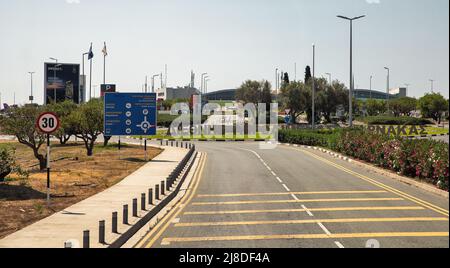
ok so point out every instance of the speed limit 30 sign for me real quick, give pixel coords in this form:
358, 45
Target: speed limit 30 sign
48, 122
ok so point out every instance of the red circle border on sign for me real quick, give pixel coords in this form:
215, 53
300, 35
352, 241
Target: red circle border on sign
58, 122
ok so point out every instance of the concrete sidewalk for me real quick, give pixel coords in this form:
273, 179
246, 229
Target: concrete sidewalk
69, 224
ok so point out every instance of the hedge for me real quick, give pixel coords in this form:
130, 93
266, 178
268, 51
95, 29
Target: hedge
388, 120
427, 160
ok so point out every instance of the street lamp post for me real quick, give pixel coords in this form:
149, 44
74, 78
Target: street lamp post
204, 83
276, 80
432, 85
329, 77
388, 86
314, 88
31, 96
370, 87
153, 82
351, 66
201, 86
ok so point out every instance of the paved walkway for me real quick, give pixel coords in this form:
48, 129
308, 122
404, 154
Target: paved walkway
69, 224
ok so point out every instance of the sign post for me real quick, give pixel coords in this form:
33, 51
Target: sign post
48, 123
130, 114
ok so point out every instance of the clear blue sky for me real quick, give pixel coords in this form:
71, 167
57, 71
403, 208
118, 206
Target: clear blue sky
231, 40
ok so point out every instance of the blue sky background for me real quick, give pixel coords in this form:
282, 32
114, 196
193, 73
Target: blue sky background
231, 40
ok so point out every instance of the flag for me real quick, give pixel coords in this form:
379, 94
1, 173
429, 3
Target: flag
105, 52
91, 54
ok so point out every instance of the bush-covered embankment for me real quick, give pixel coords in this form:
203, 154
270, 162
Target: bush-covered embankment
426, 160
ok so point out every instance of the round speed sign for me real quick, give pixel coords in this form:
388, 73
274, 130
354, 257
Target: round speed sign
48, 123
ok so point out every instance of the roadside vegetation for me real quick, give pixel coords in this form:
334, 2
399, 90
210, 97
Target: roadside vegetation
79, 169
426, 160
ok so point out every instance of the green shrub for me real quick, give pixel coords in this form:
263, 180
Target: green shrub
7, 162
388, 120
424, 159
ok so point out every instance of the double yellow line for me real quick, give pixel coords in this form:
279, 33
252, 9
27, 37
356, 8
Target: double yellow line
379, 184
161, 227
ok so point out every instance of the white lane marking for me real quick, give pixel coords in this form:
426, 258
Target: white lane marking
324, 228
307, 211
278, 179
294, 196
177, 220
274, 174
285, 187
338, 244
165, 243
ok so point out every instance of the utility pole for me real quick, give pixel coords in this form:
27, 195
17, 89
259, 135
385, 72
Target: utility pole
432, 85
370, 87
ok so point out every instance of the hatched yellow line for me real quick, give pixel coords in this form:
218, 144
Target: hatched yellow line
195, 179
289, 193
379, 184
186, 200
295, 201
300, 210
363, 220
304, 236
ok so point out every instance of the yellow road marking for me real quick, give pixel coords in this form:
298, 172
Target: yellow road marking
304, 236
363, 220
289, 193
300, 210
294, 201
178, 209
379, 184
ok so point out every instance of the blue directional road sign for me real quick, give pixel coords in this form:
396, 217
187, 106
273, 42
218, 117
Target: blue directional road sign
130, 114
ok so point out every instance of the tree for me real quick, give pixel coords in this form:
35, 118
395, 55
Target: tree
296, 97
375, 107
403, 106
307, 74
286, 78
88, 123
63, 110
433, 106
21, 123
249, 92
266, 96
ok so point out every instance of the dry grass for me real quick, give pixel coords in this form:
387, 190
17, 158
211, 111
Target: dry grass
74, 178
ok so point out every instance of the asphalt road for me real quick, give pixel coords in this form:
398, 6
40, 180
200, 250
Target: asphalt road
297, 198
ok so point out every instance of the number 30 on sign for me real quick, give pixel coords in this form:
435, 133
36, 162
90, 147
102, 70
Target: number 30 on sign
48, 123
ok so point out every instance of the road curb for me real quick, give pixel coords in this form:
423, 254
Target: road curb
390, 174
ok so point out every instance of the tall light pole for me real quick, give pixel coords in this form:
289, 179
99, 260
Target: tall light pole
432, 85
206, 84
153, 82
276, 80
314, 88
351, 66
31, 96
370, 87
329, 77
388, 86
202, 81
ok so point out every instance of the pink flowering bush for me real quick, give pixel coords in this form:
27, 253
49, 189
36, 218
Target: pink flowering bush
427, 160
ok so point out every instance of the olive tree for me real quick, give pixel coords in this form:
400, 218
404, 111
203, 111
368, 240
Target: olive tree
87, 122
63, 110
21, 123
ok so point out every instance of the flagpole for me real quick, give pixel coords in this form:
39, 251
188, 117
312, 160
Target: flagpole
90, 75
104, 65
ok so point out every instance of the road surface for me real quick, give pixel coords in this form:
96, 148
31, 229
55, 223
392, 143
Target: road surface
242, 196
